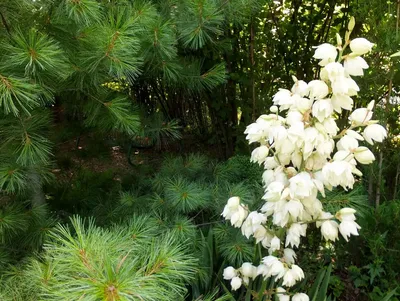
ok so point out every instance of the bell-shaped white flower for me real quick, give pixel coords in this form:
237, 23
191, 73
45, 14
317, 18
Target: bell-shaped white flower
330, 126
274, 109
229, 273
347, 143
360, 116
295, 208
355, 65
300, 87
236, 283
283, 99
248, 270
301, 104
262, 269
293, 275
361, 46
318, 89
374, 132
354, 134
346, 214
341, 101
344, 85
289, 256
293, 234
301, 185
275, 244
259, 154
322, 109
252, 223
338, 173
329, 230
260, 233
275, 267
327, 53
281, 294
268, 177
270, 163
235, 212
231, 206
266, 242
274, 191
255, 132
300, 297
348, 228
364, 155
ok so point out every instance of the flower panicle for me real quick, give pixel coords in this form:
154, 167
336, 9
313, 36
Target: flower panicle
304, 153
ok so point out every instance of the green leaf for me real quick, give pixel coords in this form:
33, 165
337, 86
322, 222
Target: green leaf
318, 279
395, 54
389, 295
322, 292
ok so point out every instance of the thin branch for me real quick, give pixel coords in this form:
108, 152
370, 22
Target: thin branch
6, 26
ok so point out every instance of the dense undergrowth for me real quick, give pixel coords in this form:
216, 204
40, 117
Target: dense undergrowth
158, 235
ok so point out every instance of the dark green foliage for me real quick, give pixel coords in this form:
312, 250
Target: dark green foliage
124, 263
185, 196
13, 221
376, 256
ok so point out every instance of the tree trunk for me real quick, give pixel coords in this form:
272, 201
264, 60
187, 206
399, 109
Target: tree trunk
252, 63
37, 195
371, 185
396, 181
378, 187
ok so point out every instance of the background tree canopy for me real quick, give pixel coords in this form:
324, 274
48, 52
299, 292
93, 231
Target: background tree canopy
93, 93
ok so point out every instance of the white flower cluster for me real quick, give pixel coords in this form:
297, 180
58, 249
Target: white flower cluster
304, 153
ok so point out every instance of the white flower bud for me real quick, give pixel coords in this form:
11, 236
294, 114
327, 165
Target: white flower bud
289, 256
364, 155
338, 39
236, 283
259, 154
360, 116
327, 53
300, 87
346, 214
281, 294
318, 89
351, 24
229, 273
248, 270
361, 46
275, 244
300, 297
